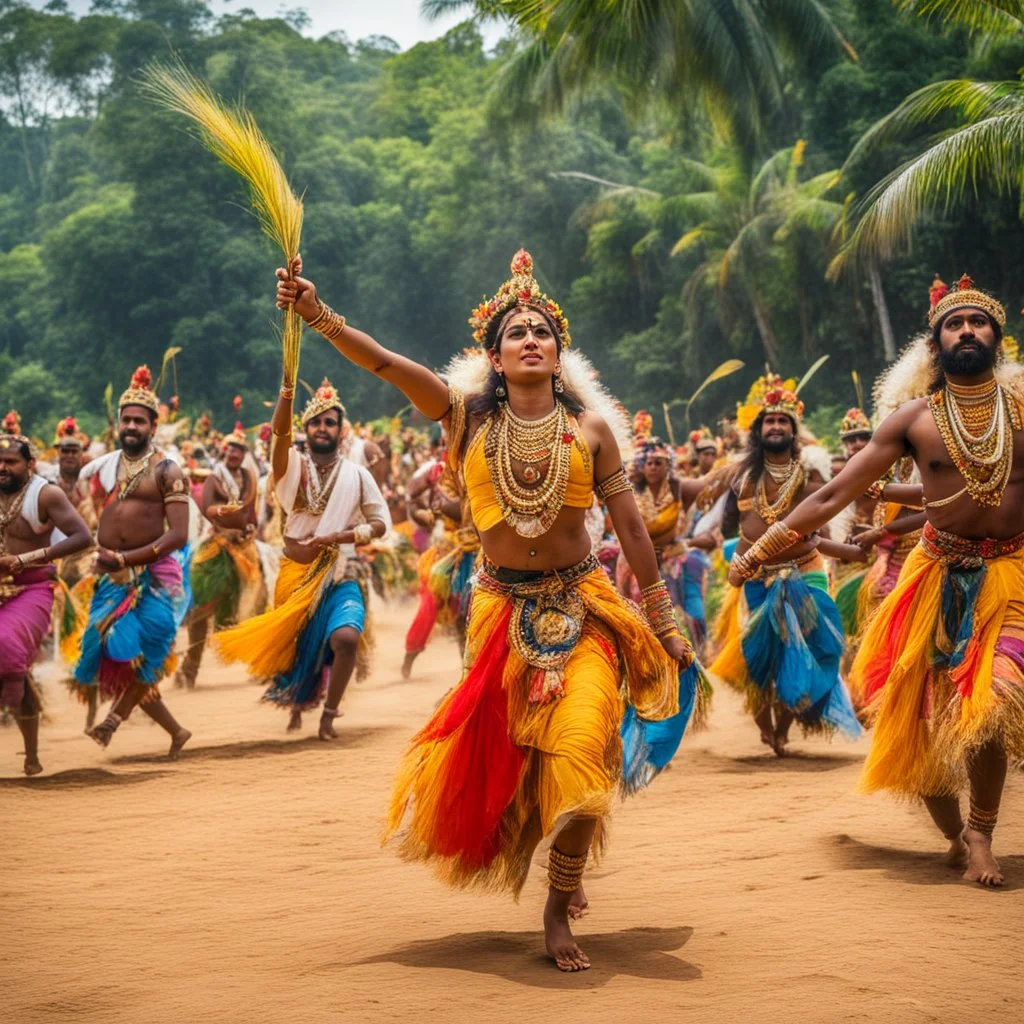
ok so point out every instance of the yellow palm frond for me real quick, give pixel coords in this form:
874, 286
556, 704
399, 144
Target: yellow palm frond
233, 136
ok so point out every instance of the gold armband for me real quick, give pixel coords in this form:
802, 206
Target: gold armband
612, 485
327, 322
171, 498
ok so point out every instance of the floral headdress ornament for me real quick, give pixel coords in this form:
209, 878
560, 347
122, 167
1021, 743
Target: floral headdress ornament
68, 434
520, 290
140, 391
943, 301
237, 436
11, 435
782, 399
325, 397
702, 440
854, 423
643, 424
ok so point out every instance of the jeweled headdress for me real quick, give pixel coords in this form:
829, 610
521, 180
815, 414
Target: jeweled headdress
855, 422
521, 289
943, 301
325, 397
140, 392
237, 436
11, 435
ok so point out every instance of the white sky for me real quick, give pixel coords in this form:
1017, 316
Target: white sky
399, 19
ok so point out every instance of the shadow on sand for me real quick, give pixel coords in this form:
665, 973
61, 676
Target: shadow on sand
794, 761
913, 866
348, 738
75, 778
519, 956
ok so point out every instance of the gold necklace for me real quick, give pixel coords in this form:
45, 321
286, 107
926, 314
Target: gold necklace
9, 511
131, 472
532, 506
976, 424
779, 472
770, 511
320, 483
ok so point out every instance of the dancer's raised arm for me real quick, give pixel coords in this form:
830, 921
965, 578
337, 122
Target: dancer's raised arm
420, 385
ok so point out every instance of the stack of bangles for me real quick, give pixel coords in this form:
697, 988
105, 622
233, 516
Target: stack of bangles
327, 322
565, 872
776, 539
657, 608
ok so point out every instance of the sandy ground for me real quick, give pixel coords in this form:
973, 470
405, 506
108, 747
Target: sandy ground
245, 883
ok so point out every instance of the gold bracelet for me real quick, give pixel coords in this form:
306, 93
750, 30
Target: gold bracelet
327, 322
875, 490
39, 555
776, 539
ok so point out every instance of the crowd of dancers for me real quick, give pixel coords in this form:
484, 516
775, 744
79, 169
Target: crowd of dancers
599, 580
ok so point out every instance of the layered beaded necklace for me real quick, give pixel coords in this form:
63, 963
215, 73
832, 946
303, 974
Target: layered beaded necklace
976, 423
530, 506
790, 478
320, 483
9, 511
131, 472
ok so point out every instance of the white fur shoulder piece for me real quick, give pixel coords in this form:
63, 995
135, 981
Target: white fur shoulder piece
814, 458
468, 373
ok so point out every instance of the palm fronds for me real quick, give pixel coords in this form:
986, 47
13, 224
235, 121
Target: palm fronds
233, 136
991, 17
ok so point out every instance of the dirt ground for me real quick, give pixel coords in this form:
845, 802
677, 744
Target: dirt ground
246, 883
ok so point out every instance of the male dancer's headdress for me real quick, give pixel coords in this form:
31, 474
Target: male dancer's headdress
703, 440
643, 424
964, 295
140, 392
68, 435
237, 437
11, 435
325, 397
770, 394
855, 423
520, 291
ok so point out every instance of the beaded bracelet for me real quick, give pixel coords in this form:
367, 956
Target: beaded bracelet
657, 608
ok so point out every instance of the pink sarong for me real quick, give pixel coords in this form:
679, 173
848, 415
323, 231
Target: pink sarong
24, 623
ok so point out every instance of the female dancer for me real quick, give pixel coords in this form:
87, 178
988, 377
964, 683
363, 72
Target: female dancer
567, 690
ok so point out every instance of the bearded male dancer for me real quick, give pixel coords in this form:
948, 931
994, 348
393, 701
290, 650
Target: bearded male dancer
227, 578
567, 691
791, 672
31, 511
318, 631
141, 593
942, 661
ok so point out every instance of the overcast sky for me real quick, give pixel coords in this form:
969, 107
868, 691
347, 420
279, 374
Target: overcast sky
399, 19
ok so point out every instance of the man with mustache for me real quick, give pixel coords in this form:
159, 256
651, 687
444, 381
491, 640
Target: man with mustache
140, 597
316, 635
791, 672
941, 665
31, 512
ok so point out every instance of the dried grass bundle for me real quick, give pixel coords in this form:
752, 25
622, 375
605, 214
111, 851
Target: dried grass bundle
233, 136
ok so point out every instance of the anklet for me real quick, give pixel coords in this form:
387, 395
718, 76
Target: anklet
331, 712
982, 821
565, 872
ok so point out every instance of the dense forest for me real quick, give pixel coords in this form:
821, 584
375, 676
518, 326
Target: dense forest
671, 242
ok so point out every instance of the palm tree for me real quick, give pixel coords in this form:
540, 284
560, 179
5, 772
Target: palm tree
984, 148
723, 54
739, 225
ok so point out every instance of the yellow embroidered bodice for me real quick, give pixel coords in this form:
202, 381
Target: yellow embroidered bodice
483, 502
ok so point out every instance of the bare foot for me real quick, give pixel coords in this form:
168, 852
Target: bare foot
103, 732
327, 727
779, 744
410, 657
956, 855
982, 867
560, 944
32, 766
181, 737
295, 721
578, 905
